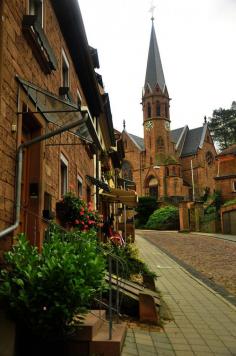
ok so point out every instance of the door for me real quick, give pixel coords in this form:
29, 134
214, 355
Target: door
30, 217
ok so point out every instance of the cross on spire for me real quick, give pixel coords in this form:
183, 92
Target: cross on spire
152, 10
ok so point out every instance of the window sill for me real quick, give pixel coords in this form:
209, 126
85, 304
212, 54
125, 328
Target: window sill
39, 43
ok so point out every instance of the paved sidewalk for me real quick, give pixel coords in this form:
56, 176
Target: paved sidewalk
204, 323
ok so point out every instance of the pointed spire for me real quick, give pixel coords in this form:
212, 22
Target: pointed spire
154, 71
124, 124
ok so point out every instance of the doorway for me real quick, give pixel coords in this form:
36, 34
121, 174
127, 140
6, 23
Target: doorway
31, 197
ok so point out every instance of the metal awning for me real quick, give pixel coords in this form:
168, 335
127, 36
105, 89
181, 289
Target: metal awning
98, 183
126, 183
128, 198
59, 111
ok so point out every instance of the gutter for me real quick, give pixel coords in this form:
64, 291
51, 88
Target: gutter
19, 159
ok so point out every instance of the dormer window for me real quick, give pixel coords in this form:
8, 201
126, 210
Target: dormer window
36, 9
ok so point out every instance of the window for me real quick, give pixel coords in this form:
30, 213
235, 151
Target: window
158, 109
64, 175
127, 170
65, 71
166, 111
80, 186
149, 110
160, 142
234, 186
153, 187
167, 172
209, 158
88, 193
47, 211
79, 99
36, 9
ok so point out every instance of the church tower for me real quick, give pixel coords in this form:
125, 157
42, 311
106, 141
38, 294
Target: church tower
155, 102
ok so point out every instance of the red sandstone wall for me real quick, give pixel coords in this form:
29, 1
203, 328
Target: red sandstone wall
18, 59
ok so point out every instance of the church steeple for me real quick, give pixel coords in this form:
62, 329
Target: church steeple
154, 71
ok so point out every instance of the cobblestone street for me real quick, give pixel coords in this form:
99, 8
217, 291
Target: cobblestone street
204, 322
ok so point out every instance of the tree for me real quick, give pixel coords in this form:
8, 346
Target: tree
222, 125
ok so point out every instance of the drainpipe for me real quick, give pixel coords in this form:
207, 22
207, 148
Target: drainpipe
19, 159
1, 45
193, 180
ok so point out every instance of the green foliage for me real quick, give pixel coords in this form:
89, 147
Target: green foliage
146, 206
129, 255
223, 127
44, 291
73, 211
230, 202
166, 218
210, 210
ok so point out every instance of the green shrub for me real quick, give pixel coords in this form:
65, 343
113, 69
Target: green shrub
129, 256
166, 218
146, 206
210, 210
44, 291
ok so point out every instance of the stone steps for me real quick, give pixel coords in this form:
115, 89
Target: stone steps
92, 337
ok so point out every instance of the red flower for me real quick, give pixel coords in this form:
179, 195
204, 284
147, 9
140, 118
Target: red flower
81, 213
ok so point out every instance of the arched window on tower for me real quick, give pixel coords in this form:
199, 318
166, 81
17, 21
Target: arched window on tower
127, 170
149, 110
158, 108
160, 142
167, 111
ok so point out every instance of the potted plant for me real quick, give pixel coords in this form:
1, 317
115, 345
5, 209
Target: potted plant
42, 292
74, 212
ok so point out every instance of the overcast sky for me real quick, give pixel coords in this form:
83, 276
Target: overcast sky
197, 43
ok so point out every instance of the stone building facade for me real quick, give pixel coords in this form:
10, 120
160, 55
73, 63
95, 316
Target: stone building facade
167, 164
226, 173
47, 80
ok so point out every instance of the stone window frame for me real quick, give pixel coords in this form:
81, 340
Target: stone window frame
209, 158
79, 99
158, 108
149, 110
127, 166
160, 142
64, 174
79, 185
234, 185
65, 70
36, 8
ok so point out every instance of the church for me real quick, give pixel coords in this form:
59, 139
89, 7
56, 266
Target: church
172, 165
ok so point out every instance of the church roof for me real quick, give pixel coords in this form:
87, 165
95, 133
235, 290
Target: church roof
175, 134
139, 141
194, 140
154, 71
188, 141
